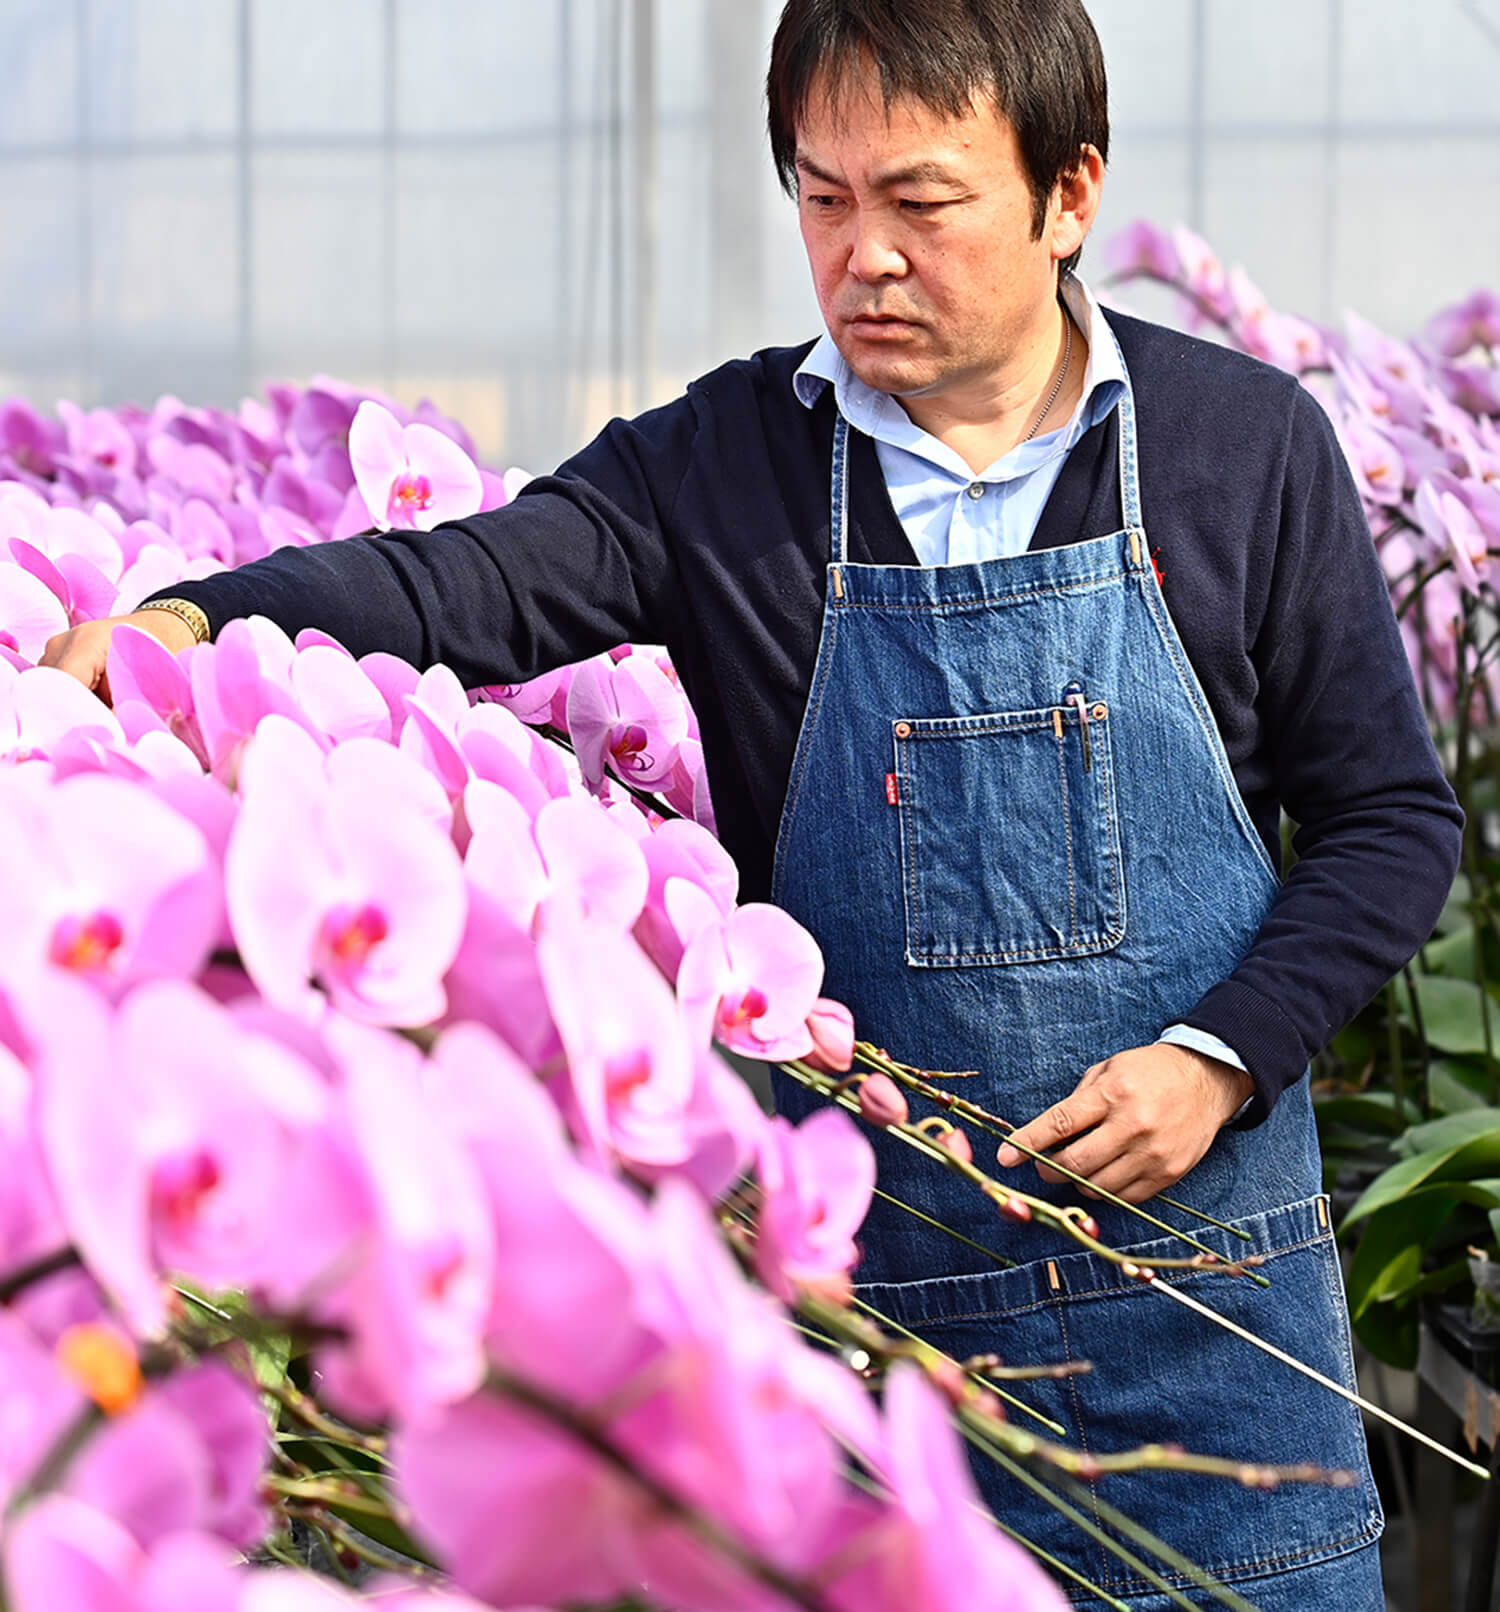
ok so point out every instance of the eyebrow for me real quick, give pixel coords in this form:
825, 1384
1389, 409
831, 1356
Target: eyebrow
916, 173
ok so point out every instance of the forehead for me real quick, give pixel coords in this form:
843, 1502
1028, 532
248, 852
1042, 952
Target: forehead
846, 120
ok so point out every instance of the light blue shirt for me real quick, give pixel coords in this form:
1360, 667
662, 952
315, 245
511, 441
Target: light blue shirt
950, 515
953, 517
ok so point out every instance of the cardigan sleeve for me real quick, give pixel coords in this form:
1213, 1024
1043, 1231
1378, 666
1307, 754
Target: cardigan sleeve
579, 562
1378, 830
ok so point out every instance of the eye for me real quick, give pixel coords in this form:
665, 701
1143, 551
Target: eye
920, 209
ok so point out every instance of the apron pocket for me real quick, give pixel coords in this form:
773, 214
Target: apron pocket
1010, 837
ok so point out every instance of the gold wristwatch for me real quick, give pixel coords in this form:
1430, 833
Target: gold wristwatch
187, 611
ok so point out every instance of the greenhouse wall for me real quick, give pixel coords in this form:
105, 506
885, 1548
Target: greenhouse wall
543, 212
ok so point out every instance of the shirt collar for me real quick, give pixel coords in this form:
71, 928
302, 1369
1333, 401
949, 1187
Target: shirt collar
879, 415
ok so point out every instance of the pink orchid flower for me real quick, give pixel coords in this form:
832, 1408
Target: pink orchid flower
1143, 248
683, 852
939, 1551
751, 981
1474, 322
816, 1184
410, 476
208, 1151
571, 1521
569, 1240
189, 1455
63, 1553
415, 1303
327, 880
103, 881
627, 718
631, 1069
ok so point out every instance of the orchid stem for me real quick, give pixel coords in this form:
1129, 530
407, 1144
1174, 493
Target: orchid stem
1143, 1458
983, 1382
311, 1415
372, 1552
979, 1437
37, 1270
1070, 1220
54, 1464
937, 1225
323, 1492
909, 1077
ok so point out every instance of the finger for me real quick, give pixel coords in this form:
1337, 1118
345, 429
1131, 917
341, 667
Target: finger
1119, 1180
1078, 1112
55, 648
1105, 1147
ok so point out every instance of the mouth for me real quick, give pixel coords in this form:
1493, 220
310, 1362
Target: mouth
878, 325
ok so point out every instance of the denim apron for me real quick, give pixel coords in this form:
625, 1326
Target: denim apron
1012, 826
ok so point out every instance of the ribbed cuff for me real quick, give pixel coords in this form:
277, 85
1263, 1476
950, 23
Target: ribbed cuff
1270, 1044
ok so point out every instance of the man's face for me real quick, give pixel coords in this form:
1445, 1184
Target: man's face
918, 229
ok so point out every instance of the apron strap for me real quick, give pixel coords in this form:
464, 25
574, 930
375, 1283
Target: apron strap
1130, 474
839, 542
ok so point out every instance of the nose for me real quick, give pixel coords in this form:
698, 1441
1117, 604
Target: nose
873, 252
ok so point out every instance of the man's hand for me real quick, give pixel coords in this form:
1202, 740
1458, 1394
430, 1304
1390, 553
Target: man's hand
83, 651
1150, 1114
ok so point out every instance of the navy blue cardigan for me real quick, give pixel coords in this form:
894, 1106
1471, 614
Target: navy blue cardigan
704, 526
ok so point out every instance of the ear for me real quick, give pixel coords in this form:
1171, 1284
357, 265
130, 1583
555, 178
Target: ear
1074, 204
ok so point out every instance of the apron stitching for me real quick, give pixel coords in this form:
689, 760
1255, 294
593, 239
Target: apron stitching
913, 891
962, 603
1080, 1426
804, 746
1062, 772
1074, 1294
1336, 1547
1161, 619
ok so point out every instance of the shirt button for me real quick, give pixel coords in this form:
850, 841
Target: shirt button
976, 489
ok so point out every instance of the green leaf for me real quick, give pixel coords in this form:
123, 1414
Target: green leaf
1389, 1332
1453, 955
1388, 1261
1455, 1084
1451, 1130
1365, 1111
1453, 1014
1473, 1159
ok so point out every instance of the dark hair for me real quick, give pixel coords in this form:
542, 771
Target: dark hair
1038, 61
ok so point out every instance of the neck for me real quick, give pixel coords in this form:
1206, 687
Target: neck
986, 425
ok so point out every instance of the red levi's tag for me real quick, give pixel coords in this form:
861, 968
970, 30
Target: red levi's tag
892, 789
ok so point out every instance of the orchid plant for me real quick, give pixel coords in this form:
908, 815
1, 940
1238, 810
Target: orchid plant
368, 1165
1410, 1095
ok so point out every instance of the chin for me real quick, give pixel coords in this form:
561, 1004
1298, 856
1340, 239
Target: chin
900, 377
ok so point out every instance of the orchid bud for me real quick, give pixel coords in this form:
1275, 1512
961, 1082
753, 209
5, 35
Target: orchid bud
957, 1143
948, 1376
882, 1102
831, 1026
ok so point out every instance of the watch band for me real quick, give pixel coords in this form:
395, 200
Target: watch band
187, 611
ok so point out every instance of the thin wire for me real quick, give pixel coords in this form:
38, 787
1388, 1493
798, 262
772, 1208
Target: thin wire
1316, 1376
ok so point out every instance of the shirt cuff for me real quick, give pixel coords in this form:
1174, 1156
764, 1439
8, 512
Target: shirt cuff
1184, 1035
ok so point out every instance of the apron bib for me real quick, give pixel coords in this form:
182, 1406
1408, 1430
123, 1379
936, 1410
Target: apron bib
1013, 829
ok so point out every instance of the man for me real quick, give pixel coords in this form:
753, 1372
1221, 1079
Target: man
1025, 790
